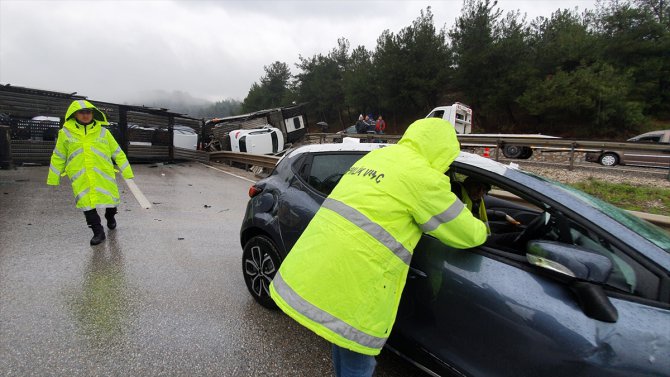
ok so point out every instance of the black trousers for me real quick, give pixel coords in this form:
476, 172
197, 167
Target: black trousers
93, 218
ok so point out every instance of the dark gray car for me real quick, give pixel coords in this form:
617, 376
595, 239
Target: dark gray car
581, 289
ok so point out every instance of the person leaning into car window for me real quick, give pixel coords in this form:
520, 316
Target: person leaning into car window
471, 192
344, 277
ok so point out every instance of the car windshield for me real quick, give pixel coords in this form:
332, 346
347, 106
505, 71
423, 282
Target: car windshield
651, 232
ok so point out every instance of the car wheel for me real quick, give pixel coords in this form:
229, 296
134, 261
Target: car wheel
609, 159
526, 153
260, 262
512, 151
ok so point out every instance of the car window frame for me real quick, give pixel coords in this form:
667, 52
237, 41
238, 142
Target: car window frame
662, 294
302, 168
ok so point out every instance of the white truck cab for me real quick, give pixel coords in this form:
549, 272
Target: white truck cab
458, 114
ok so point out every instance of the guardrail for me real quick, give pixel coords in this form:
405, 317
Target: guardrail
493, 141
190, 154
498, 142
265, 161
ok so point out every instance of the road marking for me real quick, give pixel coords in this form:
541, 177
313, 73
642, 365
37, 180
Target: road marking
223, 171
144, 203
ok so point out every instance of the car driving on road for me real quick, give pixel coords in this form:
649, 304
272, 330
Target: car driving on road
583, 289
659, 159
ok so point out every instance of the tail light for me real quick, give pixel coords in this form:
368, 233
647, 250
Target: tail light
254, 190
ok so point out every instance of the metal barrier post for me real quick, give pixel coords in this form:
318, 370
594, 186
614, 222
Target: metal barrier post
5, 148
572, 157
499, 144
171, 137
123, 129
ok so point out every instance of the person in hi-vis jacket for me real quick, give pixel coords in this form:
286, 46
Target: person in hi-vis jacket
344, 277
86, 152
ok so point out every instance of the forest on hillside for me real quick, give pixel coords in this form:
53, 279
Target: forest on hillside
604, 72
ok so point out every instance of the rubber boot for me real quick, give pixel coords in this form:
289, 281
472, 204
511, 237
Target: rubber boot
109, 215
93, 221
98, 234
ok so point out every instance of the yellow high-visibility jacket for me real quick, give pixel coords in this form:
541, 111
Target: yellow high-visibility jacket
85, 153
344, 277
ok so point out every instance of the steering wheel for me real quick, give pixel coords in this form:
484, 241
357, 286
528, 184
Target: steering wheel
537, 226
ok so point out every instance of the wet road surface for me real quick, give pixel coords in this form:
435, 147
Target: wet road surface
162, 296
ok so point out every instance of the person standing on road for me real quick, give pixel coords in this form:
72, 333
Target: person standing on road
380, 125
85, 151
344, 277
361, 125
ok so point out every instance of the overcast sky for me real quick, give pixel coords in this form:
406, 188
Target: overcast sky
118, 51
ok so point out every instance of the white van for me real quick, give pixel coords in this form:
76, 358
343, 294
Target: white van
266, 140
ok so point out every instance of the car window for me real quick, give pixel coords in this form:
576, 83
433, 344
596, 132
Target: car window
436, 114
628, 275
649, 139
327, 169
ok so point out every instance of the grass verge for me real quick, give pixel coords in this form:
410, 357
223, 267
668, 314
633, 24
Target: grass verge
654, 200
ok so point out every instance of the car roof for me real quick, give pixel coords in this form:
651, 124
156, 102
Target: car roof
650, 133
348, 145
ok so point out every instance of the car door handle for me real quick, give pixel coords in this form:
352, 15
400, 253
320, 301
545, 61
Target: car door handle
414, 273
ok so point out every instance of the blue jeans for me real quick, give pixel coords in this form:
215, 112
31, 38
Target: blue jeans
352, 364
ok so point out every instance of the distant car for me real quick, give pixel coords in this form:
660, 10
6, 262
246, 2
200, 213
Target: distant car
660, 159
351, 130
48, 126
266, 140
584, 289
185, 137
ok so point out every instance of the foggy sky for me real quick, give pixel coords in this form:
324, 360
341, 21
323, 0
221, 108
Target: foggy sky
121, 51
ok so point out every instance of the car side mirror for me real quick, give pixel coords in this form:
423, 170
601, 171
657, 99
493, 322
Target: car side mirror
569, 260
588, 270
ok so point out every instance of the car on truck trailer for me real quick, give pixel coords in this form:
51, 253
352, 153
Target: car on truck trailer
290, 122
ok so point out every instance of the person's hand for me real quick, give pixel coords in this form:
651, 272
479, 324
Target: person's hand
511, 220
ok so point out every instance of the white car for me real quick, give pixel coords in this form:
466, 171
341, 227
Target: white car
185, 137
266, 140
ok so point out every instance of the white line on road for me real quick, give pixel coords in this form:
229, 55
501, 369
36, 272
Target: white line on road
144, 203
234, 175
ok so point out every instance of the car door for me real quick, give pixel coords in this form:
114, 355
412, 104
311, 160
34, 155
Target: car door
489, 312
314, 177
645, 158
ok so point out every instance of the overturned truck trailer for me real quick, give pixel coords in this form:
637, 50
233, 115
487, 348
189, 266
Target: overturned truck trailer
290, 121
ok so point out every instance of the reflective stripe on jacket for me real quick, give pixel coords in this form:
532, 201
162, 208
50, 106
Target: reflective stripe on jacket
344, 277
86, 153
